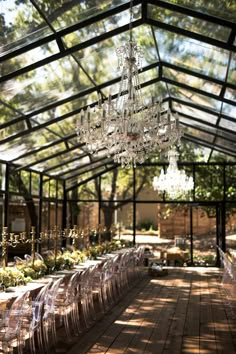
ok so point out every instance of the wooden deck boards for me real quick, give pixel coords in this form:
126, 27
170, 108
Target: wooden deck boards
183, 312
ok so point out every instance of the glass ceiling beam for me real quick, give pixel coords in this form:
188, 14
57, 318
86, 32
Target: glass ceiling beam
70, 50
187, 33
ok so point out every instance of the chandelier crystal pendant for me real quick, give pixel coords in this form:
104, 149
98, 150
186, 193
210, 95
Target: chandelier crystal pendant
174, 182
125, 126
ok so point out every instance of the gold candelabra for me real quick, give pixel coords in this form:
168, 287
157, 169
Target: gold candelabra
14, 240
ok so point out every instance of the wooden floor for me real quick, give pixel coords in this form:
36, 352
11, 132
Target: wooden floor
183, 312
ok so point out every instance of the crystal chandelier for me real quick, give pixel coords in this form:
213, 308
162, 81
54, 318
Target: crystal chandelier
174, 182
125, 126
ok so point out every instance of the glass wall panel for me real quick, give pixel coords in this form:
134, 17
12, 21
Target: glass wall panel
209, 183
230, 181
144, 179
35, 183
231, 225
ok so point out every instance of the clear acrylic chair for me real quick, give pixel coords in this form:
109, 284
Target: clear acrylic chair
66, 303
32, 322
10, 326
48, 319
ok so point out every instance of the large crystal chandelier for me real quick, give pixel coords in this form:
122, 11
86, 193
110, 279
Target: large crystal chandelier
125, 126
174, 182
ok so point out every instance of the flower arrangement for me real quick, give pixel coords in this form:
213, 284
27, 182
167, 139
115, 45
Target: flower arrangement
11, 277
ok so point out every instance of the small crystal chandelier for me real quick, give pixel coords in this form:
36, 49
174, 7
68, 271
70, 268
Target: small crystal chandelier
174, 182
125, 126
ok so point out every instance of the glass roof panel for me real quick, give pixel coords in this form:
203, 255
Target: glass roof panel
65, 156
225, 123
230, 94
192, 54
224, 9
229, 110
44, 85
189, 23
199, 134
197, 124
226, 144
100, 27
100, 60
193, 112
20, 25
7, 114
232, 69
216, 154
196, 98
64, 13
192, 81
29, 57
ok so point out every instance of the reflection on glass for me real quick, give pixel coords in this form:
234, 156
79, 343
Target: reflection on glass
192, 54
194, 112
191, 80
45, 85
200, 100
232, 72
21, 24
189, 23
223, 9
229, 110
100, 27
199, 134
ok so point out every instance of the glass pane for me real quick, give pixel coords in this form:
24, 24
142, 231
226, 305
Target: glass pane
46, 84
35, 183
232, 71
226, 144
46, 187
60, 190
53, 188
230, 225
192, 81
144, 176
117, 184
65, 13
30, 57
100, 27
192, 54
209, 182
230, 175
230, 94
193, 112
189, 23
147, 223
223, 9
199, 134
198, 99
229, 110
195, 124
87, 214
21, 24
228, 124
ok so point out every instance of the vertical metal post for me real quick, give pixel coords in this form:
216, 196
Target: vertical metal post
40, 203
99, 200
6, 200
64, 207
218, 232
191, 233
134, 207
